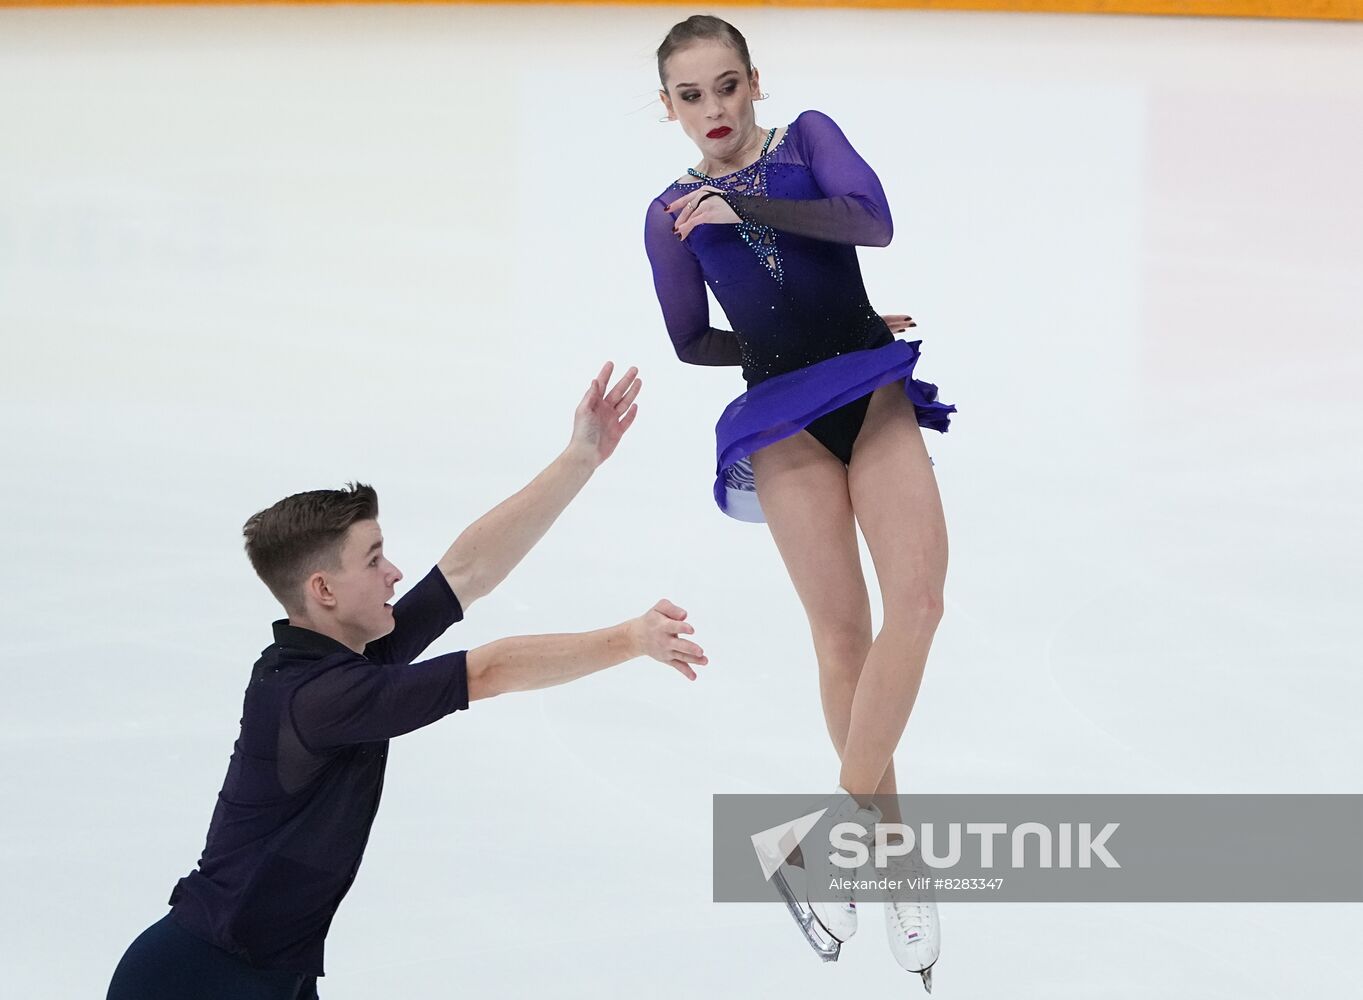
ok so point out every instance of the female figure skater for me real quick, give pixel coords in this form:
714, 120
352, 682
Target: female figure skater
827, 434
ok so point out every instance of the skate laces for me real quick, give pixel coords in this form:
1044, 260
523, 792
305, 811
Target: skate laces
868, 818
909, 915
912, 914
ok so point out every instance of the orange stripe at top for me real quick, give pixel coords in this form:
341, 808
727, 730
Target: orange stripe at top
1336, 10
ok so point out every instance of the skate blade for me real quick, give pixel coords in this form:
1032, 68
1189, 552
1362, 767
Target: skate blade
825, 945
927, 977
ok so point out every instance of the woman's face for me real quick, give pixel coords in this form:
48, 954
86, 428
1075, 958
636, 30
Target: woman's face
710, 92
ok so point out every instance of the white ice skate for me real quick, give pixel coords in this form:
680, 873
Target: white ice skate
836, 908
911, 918
831, 918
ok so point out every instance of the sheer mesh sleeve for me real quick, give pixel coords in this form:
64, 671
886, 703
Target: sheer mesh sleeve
420, 617
855, 210
362, 702
681, 292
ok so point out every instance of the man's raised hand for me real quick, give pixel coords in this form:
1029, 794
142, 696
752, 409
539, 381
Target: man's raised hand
603, 417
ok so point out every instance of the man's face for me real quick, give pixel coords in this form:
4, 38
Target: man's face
364, 584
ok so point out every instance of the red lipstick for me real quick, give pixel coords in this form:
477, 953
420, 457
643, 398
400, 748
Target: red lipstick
718, 133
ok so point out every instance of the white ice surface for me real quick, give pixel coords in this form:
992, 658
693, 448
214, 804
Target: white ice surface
245, 252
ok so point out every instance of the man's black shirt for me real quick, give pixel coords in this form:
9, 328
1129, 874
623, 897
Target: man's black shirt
305, 777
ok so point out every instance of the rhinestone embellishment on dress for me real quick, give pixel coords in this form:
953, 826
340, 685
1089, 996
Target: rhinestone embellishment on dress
752, 179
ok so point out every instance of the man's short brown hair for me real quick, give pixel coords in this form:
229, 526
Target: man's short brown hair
303, 533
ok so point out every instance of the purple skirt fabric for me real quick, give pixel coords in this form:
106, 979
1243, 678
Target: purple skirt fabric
784, 405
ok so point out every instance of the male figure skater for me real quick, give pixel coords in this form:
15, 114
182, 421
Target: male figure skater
303, 784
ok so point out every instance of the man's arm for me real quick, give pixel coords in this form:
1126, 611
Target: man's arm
358, 701
527, 662
490, 548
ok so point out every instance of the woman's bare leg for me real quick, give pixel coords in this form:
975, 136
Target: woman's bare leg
805, 498
894, 495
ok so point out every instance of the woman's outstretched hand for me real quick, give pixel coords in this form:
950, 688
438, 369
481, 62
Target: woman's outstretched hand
898, 324
705, 206
603, 417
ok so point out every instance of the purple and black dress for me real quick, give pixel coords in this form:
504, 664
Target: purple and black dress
811, 346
